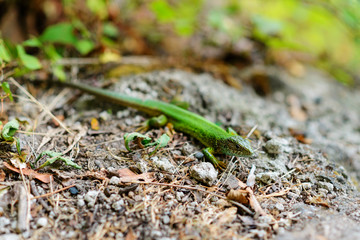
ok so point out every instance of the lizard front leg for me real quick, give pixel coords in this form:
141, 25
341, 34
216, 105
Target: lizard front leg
209, 155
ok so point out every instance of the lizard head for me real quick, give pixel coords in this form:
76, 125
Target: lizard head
238, 146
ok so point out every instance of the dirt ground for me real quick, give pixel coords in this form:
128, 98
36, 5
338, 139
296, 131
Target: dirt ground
306, 163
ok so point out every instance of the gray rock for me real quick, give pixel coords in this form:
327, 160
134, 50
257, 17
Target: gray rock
187, 149
163, 164
9, 236
104, 115
4, 221
90, 197
268, 177
166, 219
42, 222
306, 186
81, 203
179, 195
118, 205
279, 207
292, 195
204, 172
326, 185
277, 145
114, 180
142, 166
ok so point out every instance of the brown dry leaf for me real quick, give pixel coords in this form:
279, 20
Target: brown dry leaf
95, 124
60, 117
2, 175
239, 195
300, 136
101, 175
296, 69
296, 110
130, 235
44, 177
126, 175
227, 216
318, 201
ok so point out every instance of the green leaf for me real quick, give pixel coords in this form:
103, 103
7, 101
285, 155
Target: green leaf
55, 156
99, 7
9, 130
146, 141
33, 42
163, 11
4, 54
59, 33
18, 147
131, 136
84, 46
161, 142
59, 72
267, 26
110, 30
6, 88
29, 61
51, 52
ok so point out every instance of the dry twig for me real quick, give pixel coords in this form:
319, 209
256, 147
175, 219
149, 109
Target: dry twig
44, 108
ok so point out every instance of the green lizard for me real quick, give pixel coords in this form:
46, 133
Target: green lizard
216, 139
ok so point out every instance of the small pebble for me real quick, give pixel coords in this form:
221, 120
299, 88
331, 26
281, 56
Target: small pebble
277, 145
90, 197
81, 203
292, 195
142, 166
199, 155
163, 164
42, 222
179, 195
204, 172
306, 186
326, 185
74, 190
268, 177
114, 180
187, 149
138, 198
10, 236
118, 205
166, 219
279, 207
4, 221
104, 115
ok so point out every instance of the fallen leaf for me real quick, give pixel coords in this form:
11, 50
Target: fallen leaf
126, 175
102, 175
2, 175
44, 177
295, 109
227, 216
130, 235
300, 136
239, 195
318, 201
59, 117
95, 124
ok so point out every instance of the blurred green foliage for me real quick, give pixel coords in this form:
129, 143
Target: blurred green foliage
329, 31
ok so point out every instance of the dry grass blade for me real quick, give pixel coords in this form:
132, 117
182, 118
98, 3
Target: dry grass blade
54, 192
44, 108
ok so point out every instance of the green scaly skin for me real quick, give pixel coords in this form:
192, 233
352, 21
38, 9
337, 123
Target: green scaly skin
216, 139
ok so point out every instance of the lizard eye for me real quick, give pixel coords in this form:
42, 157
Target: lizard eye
237, 145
